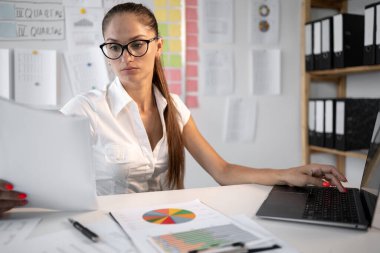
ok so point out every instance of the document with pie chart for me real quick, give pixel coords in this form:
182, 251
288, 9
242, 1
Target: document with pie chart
181, 227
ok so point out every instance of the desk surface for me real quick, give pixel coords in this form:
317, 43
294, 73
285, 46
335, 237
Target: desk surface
232, 200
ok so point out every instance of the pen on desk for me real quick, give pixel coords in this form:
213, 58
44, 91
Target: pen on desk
85, 231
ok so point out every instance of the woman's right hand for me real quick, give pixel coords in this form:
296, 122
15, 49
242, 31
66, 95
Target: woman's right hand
9, 198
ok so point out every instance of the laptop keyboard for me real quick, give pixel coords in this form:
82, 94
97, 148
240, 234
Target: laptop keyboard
330, 204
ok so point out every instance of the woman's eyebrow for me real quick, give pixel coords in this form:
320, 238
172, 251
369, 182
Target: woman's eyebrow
129, 40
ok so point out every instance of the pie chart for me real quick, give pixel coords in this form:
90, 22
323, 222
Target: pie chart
168, 216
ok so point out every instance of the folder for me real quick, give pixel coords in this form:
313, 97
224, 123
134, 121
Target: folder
355, 119
320, 122
317, 44
327, 44
311, 122
330, 123
369, 34
377, 34
309, 61
348, 40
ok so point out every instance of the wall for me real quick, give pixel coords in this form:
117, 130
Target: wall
277, 142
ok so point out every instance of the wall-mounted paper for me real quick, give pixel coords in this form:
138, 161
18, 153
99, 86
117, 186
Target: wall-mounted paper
240, 120
87, 69
83, 3
30, 21
266, 71
35, 76
218, 72
265, 15
218, 18
5, 74
84, 28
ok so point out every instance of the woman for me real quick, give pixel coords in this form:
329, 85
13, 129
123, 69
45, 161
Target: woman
140, 131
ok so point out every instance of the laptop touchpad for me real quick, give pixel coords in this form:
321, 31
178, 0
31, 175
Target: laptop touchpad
285, 204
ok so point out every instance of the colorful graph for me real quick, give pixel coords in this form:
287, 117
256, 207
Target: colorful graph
169, 216
202, 239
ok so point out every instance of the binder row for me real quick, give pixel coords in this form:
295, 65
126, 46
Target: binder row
343, 40
342, 123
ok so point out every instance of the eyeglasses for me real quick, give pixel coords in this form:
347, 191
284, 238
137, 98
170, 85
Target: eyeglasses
136, 48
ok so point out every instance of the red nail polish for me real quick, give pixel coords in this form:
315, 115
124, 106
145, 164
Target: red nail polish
9, 187
22, 196
326, 184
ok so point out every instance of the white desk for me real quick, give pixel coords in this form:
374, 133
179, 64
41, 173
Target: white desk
231, 200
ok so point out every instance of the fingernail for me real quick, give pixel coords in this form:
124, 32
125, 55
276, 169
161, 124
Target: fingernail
326, 184
9, 187
22, 196
24, 202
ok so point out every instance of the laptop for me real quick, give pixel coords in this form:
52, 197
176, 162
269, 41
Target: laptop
327, 206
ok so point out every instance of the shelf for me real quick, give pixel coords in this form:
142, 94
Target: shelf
329, 4
361, 154
318, 74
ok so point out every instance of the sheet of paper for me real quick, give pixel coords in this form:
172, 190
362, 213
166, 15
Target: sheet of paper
48, 156
266, 71
83, 3
35, 76
70, 240
84, 27
240, 119
265, 16
144, 225
87, 69
31, 21
16, 231
5, 74
218, 20
218, 72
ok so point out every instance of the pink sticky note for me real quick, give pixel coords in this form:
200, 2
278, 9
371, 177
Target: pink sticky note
192, 85
192, 40
192, 55
176, 74
192, 101
192, 70
175, 88
192, 3
191, 13
192, 27
168, 74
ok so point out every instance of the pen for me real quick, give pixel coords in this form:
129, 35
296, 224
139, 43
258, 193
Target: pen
85, 231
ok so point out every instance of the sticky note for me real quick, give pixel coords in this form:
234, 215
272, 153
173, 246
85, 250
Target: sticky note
191, 2
191, 13
192, 40
176, 3
192, 55
192, 101
192, 85
192, 70
174, 30
192, 27
163, 30
175, 15
175, 88
160, 3
175, 60
161, 15
166, 46
175, 75
175, 46
165, 59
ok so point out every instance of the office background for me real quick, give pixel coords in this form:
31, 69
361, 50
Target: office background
277, 141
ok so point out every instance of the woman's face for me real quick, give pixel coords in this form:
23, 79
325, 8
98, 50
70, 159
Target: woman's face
124, 28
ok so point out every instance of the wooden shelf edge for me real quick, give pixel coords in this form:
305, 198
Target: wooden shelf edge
352, 154
329, 4
320, 74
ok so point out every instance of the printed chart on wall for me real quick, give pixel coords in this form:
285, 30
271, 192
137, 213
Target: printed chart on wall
181, 227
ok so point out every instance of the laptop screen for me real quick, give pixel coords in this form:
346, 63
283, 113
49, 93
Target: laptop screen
369, 188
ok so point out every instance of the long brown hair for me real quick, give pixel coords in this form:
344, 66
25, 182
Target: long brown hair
176, 151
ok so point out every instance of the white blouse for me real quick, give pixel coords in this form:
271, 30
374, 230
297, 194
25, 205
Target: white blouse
123, 159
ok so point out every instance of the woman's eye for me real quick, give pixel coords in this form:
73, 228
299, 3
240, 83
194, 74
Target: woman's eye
136, 44
115, 48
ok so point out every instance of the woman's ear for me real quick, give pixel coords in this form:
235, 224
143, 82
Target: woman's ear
160, 46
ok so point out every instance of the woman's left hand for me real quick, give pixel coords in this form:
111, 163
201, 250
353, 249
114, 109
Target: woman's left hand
315, 174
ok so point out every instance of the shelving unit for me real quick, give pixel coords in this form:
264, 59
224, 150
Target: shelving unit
335, 76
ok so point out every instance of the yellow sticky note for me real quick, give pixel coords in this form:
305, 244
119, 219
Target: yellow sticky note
160, 3
163, 29
175, 3
161, 15
175, 46
175, 15
82, 11
175, 30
